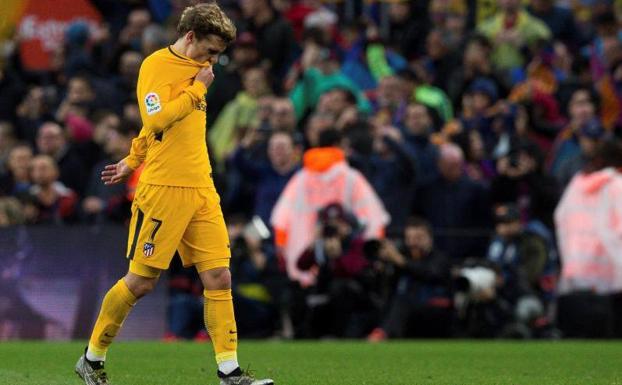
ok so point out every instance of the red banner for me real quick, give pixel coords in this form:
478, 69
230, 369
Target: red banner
42, 27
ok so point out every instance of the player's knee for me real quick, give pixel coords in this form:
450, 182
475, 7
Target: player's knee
216, 279
140, 286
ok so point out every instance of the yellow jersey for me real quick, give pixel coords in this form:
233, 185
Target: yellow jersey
172, 106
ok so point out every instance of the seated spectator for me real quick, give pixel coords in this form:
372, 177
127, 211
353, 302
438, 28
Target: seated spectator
238, 114
110, 203
48, 201
336, 259
325, 178
16, 180
269, 176
456, 207
588, 221
422, 304
51, 141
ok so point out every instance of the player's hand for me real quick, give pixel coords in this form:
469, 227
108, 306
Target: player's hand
116, 173
205, 76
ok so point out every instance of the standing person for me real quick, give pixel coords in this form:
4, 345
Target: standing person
176, 206
325, 178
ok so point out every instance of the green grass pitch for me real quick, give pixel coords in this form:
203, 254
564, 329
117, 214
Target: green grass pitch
327, 363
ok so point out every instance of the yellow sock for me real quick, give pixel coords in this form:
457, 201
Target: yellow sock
114, 310
220, 324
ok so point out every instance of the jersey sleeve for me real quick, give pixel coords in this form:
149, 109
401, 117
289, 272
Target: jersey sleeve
158, 109
138, 151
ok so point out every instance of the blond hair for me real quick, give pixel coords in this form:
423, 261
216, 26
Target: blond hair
206, 19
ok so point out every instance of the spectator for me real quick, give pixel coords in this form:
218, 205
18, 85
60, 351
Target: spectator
32, 112
275, 37
456, 207
559, 20
511, 30
51, 141
228, 80
239, 114
589, 136
282, 115
78, 101
125, 83
587, 221
390, 170
476, 63
49, 201
422, 305
110, 203
418, 126
420, 91
325, 178
320, 72
390, 101
521, 178
16, 180
407, 28
581, 110
269, 176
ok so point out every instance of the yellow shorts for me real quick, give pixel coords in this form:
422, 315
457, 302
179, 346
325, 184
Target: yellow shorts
189, 220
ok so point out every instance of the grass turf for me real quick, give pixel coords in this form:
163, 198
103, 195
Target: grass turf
338, 363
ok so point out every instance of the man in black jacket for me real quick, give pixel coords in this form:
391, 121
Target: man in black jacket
421, 306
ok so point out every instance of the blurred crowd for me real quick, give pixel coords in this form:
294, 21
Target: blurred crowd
422, 168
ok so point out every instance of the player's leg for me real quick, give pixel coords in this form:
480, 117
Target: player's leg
116, 306
205, 244
159, 218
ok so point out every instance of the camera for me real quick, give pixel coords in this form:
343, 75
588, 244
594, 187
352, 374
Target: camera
472, 280
329, 231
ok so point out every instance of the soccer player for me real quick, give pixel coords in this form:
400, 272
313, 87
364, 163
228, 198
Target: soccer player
176, 206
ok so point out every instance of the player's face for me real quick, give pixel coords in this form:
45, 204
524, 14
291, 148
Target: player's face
206, 50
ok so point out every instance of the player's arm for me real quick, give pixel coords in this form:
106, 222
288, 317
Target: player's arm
138, 151
158, 111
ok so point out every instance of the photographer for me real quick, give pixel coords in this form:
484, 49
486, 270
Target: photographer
337, 300
506, 294
421, 306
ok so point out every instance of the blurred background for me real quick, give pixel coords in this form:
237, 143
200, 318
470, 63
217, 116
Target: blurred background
387, 169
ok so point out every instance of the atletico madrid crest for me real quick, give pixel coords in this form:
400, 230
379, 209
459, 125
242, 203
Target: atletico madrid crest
148, 249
